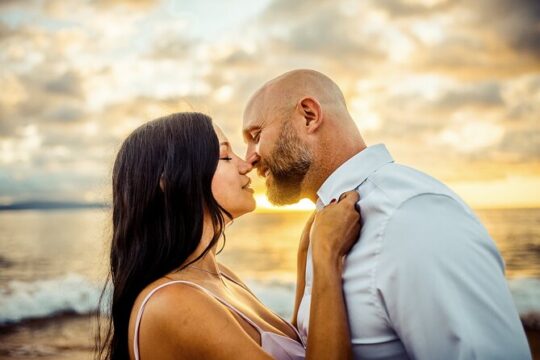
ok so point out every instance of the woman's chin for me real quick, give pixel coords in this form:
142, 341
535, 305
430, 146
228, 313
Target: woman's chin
249, 207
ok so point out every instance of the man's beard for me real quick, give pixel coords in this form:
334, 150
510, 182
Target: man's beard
288, 164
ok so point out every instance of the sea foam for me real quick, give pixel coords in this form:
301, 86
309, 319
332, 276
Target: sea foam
526, 294
75, 294
71, 293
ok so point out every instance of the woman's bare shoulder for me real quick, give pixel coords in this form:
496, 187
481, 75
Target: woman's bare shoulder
187, 321
174, 302
180, 300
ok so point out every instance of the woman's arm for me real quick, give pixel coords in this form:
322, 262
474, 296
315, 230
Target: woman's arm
301, 267
335, 230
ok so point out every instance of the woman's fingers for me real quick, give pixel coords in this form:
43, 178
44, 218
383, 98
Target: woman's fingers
351, 196
337, 226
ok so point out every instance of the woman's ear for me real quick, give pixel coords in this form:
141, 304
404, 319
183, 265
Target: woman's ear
310, 109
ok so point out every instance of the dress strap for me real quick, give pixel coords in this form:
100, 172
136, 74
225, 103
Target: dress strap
208, 292
239, 284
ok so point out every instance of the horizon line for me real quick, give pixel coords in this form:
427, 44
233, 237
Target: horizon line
266, 208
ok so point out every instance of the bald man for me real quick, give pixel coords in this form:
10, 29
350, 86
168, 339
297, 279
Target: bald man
425, 280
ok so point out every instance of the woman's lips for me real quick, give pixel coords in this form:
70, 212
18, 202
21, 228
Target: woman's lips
247, 188
247, 185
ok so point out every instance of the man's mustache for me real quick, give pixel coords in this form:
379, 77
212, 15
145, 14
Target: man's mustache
262, 167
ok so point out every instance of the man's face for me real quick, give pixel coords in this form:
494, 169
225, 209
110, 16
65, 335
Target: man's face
281, 156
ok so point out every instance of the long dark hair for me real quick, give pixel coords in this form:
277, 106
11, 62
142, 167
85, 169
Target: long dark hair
157, 227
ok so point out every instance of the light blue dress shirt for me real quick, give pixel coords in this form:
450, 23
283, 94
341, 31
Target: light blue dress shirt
425, 280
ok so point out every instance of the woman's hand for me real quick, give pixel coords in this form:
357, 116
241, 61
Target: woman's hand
335, 229
333, 233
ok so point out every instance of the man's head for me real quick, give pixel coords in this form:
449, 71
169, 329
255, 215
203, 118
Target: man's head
296, 127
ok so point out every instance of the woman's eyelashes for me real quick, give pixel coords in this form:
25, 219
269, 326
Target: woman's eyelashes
226, 158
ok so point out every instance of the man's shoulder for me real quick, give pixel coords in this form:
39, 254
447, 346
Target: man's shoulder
400, 183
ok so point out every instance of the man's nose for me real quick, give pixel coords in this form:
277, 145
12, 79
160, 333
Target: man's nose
252, 156
245, 167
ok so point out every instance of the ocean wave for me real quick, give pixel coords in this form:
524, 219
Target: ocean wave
526, 294
75, 294
5, 262
71, 293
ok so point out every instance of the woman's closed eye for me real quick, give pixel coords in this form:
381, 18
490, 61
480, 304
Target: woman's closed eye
226, 158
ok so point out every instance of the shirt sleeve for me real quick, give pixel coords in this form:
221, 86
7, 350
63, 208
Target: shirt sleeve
440, 280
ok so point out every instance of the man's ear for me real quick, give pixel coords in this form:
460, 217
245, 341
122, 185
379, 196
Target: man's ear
310, 109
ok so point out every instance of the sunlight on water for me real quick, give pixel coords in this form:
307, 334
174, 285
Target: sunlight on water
54, 262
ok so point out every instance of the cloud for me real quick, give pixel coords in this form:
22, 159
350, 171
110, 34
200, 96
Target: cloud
137, 4
400, 8
40, 98
6, 31
284, 11
65, 161
48, 97
450, 86
481, 95
324, 33
519, 146
67, 83
517, 21
172, 47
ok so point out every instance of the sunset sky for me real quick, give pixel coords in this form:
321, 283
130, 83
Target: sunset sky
451, 87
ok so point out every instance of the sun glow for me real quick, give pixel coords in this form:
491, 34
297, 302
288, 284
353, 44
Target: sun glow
263, 205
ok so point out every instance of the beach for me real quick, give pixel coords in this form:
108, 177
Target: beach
52, 340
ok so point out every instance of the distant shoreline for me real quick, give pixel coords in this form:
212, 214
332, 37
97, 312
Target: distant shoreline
57, 205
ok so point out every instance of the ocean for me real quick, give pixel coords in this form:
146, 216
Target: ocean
53, 263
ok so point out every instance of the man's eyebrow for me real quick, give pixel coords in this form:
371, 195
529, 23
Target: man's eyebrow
250, 128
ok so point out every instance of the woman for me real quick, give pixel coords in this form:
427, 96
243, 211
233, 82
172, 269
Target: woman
176, 185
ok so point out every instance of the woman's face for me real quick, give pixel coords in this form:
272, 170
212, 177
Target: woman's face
230, 184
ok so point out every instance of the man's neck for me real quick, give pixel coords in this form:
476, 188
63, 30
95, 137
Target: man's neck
327, 164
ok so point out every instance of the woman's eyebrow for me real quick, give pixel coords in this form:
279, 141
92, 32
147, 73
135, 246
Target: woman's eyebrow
224, 143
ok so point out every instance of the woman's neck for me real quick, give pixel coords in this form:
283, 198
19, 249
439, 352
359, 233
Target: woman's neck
208, 262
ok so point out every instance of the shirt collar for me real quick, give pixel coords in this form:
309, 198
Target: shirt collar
353, 172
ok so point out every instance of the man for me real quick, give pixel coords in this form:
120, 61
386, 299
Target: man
425, 280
